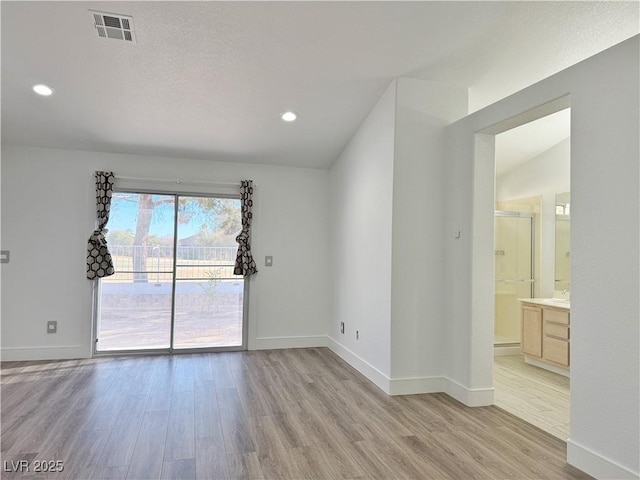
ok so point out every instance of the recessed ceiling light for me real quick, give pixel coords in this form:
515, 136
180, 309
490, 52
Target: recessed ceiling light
42, 90
289, 116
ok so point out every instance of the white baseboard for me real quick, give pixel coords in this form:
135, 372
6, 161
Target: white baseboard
275, 343
416, 385
596, 465
18, 354
471, 397
547, 366
357, 362
506, 351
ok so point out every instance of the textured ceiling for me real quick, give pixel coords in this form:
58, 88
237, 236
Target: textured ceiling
209, 79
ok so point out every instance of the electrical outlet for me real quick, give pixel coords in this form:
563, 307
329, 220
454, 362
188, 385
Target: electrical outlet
341, 327
52, 326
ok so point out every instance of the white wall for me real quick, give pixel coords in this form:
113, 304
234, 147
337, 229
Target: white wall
423, 109
361, 202
386, 192
48, 206
605, 351
544, 176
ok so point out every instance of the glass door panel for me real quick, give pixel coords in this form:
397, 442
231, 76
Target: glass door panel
134, 305
209, 298
513, 273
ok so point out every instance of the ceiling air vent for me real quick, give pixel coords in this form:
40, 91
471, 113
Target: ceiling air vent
110, 25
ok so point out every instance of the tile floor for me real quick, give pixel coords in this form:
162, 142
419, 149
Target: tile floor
536, 395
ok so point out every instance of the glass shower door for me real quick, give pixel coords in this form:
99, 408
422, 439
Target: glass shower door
513, 268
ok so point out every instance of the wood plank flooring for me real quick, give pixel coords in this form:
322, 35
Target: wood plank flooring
280, 414
534, 394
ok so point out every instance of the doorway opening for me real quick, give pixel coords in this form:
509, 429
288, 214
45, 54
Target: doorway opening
532, 174
174, 288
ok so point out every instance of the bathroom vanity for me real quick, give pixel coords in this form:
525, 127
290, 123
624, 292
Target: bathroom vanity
546, 333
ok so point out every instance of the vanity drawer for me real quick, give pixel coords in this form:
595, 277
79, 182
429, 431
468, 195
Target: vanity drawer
556, 315
554, 330
556, 351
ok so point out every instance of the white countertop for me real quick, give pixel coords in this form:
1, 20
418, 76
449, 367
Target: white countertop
548, 302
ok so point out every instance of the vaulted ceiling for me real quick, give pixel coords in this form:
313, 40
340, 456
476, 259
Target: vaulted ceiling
210, 79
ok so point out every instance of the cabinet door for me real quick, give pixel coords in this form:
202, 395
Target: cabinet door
532, 331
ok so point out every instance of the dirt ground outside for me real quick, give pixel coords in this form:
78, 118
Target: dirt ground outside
136, 316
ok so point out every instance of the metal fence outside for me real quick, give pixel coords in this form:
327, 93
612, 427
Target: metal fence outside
156, 262
189, 253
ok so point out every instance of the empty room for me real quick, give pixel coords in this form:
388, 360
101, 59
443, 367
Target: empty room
324, 240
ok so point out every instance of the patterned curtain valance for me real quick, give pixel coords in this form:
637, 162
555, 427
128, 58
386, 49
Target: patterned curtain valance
245, 265
99, 261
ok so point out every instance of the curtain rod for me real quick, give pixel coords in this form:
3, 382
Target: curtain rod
181, 182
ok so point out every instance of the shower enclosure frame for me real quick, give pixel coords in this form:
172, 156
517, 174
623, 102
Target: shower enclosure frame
531, 280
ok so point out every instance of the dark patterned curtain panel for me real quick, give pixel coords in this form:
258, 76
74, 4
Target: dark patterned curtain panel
244, 260
99, 262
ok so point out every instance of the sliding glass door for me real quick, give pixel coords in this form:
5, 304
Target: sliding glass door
174, 287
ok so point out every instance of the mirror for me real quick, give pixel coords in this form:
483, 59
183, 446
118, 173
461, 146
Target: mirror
563, 242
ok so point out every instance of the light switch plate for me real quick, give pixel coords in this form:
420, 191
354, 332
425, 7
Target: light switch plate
268, 261
4, 256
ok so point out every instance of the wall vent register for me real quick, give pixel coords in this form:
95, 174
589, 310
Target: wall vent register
109, 25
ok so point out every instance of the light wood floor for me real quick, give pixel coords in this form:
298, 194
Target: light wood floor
296, 414
536, 395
